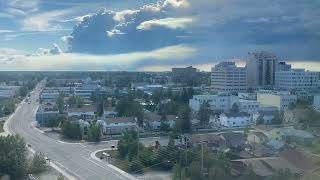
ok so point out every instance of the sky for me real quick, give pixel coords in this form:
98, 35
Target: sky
154, 35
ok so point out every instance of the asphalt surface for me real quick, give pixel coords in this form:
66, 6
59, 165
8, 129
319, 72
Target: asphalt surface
74, 159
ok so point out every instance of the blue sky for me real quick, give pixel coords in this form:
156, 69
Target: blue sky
154, 34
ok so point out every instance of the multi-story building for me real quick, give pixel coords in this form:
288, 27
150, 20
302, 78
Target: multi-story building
281, 100
283, 66
184, 75
217, 102
249, 106
8, 91
297, 79
224, 103
261, 68
227, 77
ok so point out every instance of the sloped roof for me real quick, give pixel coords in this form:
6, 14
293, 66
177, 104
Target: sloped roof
120, 120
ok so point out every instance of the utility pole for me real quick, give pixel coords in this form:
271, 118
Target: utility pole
138, 138
180, 168
254, 145
201, 156
186, 151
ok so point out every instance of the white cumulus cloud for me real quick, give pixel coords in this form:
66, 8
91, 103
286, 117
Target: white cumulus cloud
171, 23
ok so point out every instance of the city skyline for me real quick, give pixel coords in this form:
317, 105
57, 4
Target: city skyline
153, 35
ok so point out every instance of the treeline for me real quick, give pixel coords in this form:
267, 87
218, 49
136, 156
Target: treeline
14, 159
136, 158
192, 163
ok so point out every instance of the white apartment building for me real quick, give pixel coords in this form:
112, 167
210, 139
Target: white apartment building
235, 119
224, 103
217, 102
227, 77
297, 79
281, 100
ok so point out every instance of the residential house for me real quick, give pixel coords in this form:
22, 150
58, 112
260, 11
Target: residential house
117, 125
257, 137
297, 162
234, 140
153, 121
86, 112
231, 120
263, 117
213, 141
289, 134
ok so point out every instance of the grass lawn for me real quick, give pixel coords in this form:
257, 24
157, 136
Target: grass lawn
314, 148
312, 176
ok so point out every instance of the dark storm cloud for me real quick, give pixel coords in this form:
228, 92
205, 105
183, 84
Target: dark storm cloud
219, 29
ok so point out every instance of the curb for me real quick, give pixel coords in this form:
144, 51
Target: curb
127, 175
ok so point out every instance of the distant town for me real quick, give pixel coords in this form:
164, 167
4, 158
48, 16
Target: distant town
261, 121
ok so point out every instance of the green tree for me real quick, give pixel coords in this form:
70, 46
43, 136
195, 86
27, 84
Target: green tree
71, 130
2, 111
235, 108
76, 101
60, 177
135, 166
54, 122
13, 156
249, 174
278, 118
23, 91
284, 174
60, 103
122, 148
128, 145
129, 108
38, 163
93, 96
94, 132
185, 119
204, 114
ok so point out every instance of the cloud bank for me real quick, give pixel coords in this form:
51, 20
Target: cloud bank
229, 28
49, 60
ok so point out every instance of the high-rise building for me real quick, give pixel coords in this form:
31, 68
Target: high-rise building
184, 75
227, 77
261, 68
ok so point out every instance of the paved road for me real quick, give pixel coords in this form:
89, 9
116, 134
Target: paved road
74, 159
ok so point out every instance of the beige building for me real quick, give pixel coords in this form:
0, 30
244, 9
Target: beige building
227, 77
281, 100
